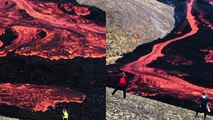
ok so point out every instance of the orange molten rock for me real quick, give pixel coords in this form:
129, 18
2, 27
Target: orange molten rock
66, 35
209, 57
160, 81
37, 97
1, 32
1, 43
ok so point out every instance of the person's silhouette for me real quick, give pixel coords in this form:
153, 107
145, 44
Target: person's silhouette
65, 114
203, 106
122, 85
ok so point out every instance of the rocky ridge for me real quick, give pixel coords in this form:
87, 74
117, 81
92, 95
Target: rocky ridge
98, 3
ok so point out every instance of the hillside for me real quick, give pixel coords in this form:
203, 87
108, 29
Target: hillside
140, 108
133, 22
98, 3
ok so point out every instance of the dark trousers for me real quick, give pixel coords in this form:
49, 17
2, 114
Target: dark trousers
202, 110
120, 88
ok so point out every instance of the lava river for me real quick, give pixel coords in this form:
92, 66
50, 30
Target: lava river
43, 28
37, 97
158, 80
51, 30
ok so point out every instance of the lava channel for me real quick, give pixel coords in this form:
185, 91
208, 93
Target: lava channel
37, 97
159, 81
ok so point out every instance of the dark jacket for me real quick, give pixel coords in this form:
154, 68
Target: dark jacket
204, 102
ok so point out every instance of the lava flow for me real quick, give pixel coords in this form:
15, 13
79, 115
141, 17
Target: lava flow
51, 30
159, 81
37, 97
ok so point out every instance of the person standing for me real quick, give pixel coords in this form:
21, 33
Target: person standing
65, 114
203, 106
122, 85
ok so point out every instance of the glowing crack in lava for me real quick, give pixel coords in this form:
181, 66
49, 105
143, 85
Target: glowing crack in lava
1, 32
209, 56
1, 43
37, 97
44, 30
159, 81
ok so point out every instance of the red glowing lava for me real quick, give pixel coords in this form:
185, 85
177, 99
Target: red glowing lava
37, 97
209, 56
211, 2
45, 30
79, 10
159, 81
1, 32
1, 43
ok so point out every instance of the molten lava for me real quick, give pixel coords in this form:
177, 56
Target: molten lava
1, 43
1, 32
51, 30
209, 56
45, 30
37, 97
158, 81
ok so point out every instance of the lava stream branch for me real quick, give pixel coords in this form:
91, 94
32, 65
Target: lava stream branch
159, 81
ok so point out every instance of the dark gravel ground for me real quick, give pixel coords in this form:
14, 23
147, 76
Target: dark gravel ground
140, 108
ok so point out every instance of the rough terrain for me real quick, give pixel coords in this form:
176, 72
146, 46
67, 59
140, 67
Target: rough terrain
6, 118
140, 108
